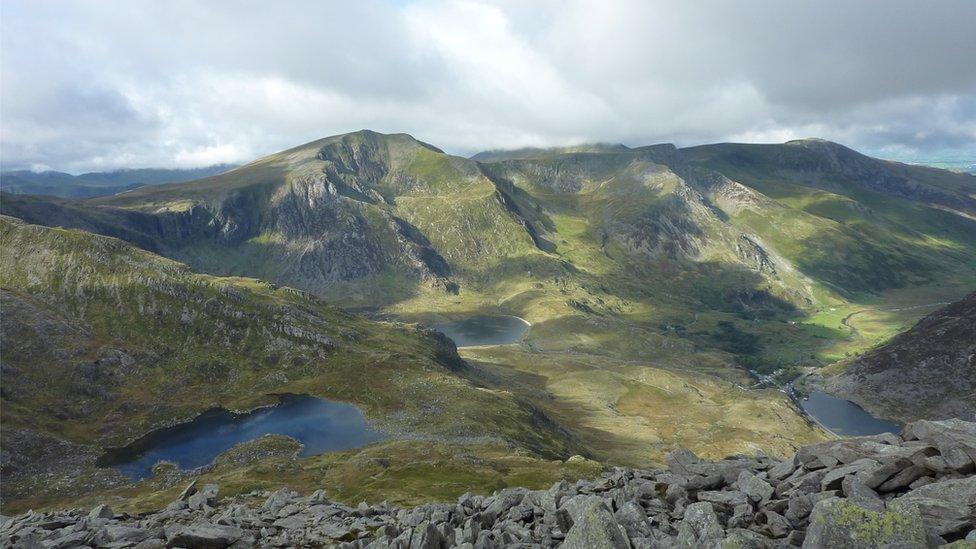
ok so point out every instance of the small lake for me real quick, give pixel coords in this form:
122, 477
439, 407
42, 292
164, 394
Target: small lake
484, 330
844, 417
321, 425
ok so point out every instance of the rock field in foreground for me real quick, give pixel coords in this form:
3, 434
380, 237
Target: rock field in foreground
914, 490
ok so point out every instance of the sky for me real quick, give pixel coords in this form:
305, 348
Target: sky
106, 84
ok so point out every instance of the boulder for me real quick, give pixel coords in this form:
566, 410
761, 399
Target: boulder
954, 438
101, 512
946, 507
859, 493
204, 536
634, 520
700, 526
575, 505
833, 479
207, 497
728, 499
841, 524
596, 528
782, 470
756, 488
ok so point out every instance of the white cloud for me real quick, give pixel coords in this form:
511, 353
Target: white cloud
141, 83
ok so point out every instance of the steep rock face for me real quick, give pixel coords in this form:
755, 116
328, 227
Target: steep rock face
650, 206
348, 211
342, 209
927, 372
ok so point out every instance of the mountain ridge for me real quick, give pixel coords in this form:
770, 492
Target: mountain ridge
92, 184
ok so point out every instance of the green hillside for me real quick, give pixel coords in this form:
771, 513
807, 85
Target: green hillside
104, 341
661, 284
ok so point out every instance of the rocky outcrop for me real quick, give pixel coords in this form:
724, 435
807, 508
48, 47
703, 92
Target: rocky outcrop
913, 490
928, 372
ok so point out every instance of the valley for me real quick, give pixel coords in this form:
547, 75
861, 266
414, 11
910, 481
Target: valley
660, 285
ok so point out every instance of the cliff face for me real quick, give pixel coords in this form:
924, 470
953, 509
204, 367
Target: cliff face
927, 372
344, 209
387, 214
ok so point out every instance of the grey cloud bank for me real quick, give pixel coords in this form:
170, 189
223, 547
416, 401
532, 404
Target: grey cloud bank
103, 84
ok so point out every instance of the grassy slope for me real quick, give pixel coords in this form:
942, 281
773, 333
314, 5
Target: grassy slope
200, 341
626, 345
883, 261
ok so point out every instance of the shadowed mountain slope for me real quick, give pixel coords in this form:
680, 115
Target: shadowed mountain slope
927, 372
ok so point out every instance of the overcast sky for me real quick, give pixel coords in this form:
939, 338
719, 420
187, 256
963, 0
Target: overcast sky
107, 84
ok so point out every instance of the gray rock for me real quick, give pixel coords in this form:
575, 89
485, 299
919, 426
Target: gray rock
726, 499
675, 493
152, 543
946, 507
595, 528
833, 479
101, 512
774, 524
126, 533
859, 493
955, 439
903, 478
841, 524
632, 517
277, 500
575, 505
782, 470
739, 538
700, 526
425, 536
188, 491
503, 501
206, 497
204, 536
756, 488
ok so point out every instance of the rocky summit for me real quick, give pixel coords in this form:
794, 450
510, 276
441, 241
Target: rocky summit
913, 490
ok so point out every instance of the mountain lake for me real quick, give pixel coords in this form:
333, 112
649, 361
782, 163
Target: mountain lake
844, 417
485, 330
320, 425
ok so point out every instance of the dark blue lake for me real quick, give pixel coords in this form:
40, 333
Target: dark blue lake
484, 330
321, 425
843, 417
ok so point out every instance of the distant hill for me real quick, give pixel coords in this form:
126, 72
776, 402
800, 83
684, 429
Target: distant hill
87, 185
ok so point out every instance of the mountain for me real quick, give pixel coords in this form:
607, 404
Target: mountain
87, 185
927, 372
103, 341
660, 283
739, 253
363, 208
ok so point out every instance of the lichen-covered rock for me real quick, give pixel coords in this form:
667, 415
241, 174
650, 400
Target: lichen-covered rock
700, 527
596, 528
841, 524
